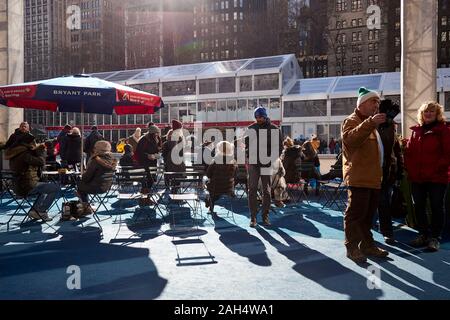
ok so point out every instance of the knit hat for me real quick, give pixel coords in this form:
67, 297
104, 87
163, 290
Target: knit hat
260, 112
102, 147
224, 148
176, 124
366, 94
153, 129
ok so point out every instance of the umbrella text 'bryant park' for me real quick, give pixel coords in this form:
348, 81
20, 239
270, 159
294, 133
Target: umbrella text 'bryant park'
79, 93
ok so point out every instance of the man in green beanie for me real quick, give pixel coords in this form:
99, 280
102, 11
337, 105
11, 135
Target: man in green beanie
363, 158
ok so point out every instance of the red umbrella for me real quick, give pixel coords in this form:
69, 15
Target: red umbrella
79, 93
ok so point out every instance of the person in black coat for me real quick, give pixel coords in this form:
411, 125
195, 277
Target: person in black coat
62, 138
91, 140
95, 178
221, 174
147, 153
71, 150
291, 159
172, 162
127, 160
17, 134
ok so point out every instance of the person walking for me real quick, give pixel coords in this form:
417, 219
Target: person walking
263, 145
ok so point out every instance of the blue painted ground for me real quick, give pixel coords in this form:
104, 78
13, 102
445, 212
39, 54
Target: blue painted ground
143, 256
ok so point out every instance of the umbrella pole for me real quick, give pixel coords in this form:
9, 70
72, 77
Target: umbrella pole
82, 138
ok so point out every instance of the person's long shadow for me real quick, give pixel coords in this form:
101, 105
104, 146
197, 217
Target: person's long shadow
40, 271
27, 233
242, 242
325, 271
330, 218
418, 287
294, 222
289, 218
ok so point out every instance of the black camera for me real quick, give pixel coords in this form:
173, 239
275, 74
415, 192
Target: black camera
390, 109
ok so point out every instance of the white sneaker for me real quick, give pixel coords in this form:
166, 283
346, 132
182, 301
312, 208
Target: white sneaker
33, 214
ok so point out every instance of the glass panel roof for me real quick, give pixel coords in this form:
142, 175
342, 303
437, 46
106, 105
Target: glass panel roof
223, 67
124, 75
306, 86
391, 81
153, 73
192, 70
346, 84
265, 63
172, 71
185, 70
103, 75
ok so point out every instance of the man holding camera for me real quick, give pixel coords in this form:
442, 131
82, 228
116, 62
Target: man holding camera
363, 157
392, 167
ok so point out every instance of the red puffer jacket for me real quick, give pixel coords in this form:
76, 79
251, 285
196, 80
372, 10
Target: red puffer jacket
427, 155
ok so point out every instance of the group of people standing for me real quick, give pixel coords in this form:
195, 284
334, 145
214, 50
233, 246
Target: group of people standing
373, 162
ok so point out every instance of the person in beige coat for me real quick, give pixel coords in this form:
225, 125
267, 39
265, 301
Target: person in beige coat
362, 172
133, 140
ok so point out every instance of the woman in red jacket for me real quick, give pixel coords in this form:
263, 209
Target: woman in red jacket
427, 160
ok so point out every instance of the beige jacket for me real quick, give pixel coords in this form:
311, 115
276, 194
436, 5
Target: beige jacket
361, 154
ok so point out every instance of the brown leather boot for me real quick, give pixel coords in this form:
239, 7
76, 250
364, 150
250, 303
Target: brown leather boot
266, 221
374, 251
356, 255
253, 222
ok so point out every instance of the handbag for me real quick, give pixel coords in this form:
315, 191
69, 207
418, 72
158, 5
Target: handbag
72, 209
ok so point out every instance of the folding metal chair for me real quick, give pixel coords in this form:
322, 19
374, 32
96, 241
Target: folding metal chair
241, 180
293, 189
100, 199
187, 198
24, 203
334, 193
231, 197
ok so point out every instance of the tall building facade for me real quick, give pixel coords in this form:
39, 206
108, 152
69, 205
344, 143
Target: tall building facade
234, 29
72, 36
98, 43
68, 37
158, 33
359, 34
38, 20
307, 25
444, 34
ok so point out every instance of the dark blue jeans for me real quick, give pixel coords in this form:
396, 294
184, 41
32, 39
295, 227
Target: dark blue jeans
436, 193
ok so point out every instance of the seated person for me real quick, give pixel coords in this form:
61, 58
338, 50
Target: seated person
127, 160
26, 160
220, 174
94, 179
278, 183
310, 161
50, 160
291, 158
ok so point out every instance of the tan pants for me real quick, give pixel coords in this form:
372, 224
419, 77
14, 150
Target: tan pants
254, 175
